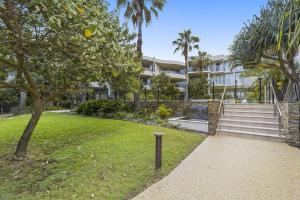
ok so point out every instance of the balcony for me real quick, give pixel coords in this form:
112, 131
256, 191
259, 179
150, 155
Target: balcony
174, 75
180, 88
147, 72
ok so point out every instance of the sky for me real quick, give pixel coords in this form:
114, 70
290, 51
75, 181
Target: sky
215, 22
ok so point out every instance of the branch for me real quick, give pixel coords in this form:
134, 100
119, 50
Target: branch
274, 59
8, 85
53, 95
8, 63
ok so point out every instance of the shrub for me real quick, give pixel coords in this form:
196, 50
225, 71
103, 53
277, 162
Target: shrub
102, 108
163, 111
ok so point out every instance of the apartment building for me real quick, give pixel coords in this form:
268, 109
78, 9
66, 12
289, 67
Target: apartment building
218, 72
174, 69
221, 73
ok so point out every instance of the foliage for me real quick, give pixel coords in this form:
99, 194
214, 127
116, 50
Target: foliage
102, 108
265, 74
164, 111
186, 43
54, 47
8, 96
271, 40
141, 10
200, 61
198, 87
120, 110
166, 88
77, 157
61, 57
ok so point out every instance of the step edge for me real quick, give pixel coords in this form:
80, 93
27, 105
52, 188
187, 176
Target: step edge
249, 116
258, 122
251, 133
241, 126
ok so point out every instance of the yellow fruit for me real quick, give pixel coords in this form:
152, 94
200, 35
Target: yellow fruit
87, 33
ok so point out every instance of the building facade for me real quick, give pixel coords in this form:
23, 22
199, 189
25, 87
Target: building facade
219, 72
174, 69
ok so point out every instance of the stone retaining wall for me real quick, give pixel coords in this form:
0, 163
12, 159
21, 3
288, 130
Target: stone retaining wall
290, 122
213, 116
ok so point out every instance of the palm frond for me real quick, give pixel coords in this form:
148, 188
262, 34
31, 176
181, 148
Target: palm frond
121, 3
147, 14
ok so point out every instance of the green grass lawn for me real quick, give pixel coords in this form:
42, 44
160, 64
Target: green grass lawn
76, 157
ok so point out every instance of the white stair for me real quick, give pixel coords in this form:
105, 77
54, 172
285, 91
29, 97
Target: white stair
251, 120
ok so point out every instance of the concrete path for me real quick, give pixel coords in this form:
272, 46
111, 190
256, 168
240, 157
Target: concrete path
233, 168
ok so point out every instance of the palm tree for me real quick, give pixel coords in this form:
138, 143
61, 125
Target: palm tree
140, 11
200, 61
186, 43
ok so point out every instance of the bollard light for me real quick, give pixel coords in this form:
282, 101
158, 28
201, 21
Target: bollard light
158, 149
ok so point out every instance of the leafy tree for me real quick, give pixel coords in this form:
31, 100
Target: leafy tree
166, 87
186, 43
271, 40
198, 87
140, 11
58, 46
265, 74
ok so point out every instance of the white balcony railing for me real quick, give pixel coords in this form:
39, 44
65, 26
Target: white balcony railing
148, 72
176, 76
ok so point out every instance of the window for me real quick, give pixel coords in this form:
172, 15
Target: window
217, 67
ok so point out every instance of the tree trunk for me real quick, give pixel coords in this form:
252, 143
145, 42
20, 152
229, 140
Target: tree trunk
292, 93
24, 140
186, 96
140, 38
136, 95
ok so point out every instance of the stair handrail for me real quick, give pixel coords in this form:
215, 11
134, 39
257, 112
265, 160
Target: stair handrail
222, 101
278, 107
276, 100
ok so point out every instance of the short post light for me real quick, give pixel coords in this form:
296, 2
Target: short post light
158, 149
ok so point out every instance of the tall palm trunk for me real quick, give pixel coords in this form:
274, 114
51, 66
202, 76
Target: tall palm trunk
137, 99
140, 38
24, 140
186, 57
186, 96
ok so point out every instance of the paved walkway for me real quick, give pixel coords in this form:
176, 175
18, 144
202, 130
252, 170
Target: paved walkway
233, 168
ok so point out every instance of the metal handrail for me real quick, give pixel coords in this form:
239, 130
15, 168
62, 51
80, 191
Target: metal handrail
276, 100
222, 101
278, 107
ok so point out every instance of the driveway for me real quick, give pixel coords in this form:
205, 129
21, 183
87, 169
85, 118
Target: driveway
232, 168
